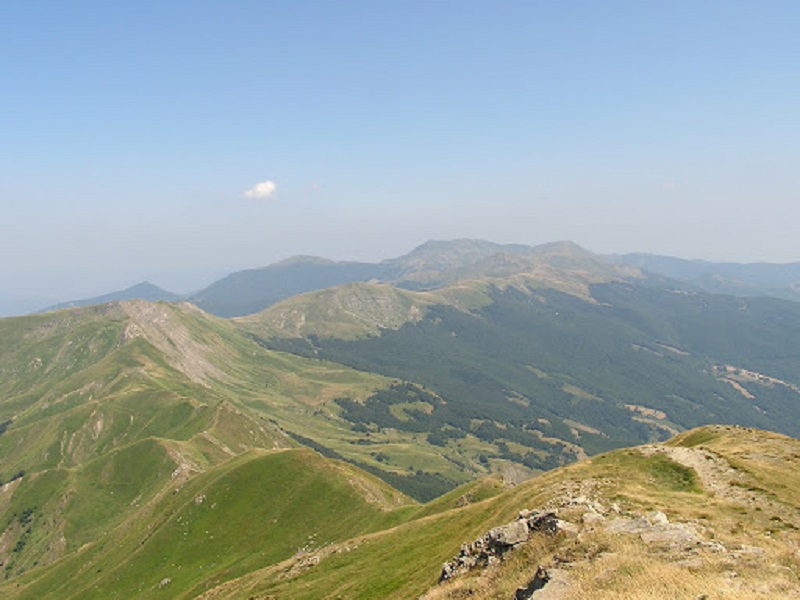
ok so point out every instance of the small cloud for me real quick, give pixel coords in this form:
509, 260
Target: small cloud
669, 185
261, 191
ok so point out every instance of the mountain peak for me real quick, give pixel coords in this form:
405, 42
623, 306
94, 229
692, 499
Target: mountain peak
140, 291
562, 247
303, 259
440, 254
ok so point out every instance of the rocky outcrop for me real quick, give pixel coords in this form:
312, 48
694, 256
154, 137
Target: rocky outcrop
491, 546
539, 580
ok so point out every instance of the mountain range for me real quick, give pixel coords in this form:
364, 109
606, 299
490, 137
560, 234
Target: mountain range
433, 264
346, 433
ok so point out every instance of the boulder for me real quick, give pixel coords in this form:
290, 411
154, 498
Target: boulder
511, 534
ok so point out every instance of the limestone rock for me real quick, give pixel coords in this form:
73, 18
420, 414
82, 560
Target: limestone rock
511, 534
489, 549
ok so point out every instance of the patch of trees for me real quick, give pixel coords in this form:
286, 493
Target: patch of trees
420, 485
18, 475
612, 350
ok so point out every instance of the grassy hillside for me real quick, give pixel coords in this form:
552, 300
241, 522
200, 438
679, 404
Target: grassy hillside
86, 381
102, 408
251, 511
350, 311
715, 512
150, 449
659, 521
536, 376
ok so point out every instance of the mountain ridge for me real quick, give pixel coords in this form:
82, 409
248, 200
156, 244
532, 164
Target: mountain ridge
658, 520
138, 439
778, 280
442, 262
141, 291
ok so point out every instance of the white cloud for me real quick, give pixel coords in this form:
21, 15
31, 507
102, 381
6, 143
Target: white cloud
261, 191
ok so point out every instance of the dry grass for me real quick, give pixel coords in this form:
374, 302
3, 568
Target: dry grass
742, 542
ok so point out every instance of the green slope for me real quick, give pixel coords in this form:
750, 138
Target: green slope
536, 376
104, 406
251, 511
605, 556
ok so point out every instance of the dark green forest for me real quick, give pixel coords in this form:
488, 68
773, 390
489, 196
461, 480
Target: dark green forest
536, 362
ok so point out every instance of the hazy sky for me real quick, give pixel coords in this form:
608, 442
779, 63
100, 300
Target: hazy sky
179, 140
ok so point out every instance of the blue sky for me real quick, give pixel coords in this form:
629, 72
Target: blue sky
132, 130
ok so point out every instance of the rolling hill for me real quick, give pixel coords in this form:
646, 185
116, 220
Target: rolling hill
345, 442
104, 407
714, 512
537, 370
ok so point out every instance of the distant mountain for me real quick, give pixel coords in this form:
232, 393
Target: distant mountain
736, 279
429, 265
433, 265
140, 291
437, 264
247, 292
461, 274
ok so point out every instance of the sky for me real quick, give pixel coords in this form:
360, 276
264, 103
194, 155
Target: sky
179, 140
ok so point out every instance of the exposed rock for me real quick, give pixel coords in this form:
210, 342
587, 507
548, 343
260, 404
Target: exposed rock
539, 580
560, 525
657, 518
490, 548
511, 534
164, 582
592, 518
655, 528
557, 585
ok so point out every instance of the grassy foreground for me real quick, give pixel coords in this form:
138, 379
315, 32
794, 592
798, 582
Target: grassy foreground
715, 511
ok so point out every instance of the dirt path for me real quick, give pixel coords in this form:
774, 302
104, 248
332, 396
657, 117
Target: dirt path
715, 474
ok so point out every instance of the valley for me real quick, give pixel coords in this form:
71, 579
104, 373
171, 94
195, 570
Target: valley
345, 441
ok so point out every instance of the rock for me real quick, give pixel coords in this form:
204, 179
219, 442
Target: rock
164, 582
544, 522
539, 580
597, 507
656, 529
675, 534
557, 585
657, 518
566, 527
592, 518
511, 534
629, 526
489, 548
